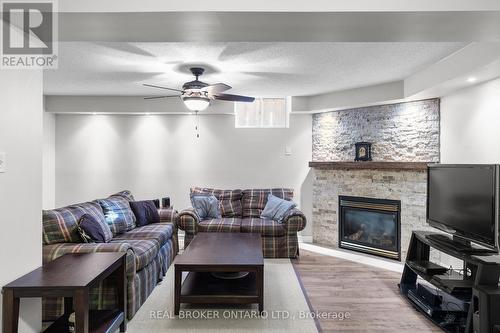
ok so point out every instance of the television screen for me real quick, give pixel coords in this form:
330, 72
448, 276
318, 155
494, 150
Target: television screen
461, 200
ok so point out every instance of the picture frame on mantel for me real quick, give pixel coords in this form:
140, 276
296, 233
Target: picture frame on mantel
363, 151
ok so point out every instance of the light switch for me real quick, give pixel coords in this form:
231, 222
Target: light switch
288, 151
3, 162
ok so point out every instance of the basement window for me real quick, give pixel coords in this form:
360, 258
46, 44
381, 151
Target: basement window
264, 112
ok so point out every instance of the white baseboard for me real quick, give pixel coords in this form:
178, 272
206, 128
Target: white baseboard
305, 238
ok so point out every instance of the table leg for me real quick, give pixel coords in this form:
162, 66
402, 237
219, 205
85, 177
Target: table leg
122, 288
260, 287
177, 291
10, 316
81, 305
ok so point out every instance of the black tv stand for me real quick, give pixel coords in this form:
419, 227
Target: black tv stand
477, 290
459, 244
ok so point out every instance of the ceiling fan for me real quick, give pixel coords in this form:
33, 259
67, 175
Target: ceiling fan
197, 95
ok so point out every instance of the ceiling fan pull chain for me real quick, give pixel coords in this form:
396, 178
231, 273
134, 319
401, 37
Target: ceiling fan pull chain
197, 127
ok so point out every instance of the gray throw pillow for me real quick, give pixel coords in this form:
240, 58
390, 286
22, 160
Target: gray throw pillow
206, 206
276, 208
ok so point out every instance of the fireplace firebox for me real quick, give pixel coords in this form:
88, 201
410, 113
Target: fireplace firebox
370, 225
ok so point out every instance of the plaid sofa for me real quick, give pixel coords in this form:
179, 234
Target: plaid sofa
150, 250
241, 210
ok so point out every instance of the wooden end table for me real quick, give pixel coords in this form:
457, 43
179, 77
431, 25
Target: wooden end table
220, 252
71, 276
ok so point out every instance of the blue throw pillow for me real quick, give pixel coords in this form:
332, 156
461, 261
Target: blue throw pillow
206, 206
145, 212
276, 208
93, 231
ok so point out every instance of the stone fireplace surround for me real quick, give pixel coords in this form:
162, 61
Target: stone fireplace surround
404, 133
410, 187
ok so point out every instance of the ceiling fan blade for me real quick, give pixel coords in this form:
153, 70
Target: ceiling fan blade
234, 98
160, 87
157, 97
216, 88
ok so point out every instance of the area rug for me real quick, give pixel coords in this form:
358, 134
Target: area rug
285, 308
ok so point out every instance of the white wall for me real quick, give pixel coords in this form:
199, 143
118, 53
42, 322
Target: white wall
160, 155
21, 112
470, 125
470, 130
49, 161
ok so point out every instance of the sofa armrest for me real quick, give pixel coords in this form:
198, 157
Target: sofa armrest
167, 215
188, 220
54, 251
294, 221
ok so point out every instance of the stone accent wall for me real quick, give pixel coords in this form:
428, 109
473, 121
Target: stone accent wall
399, 132
405, 132
408, 186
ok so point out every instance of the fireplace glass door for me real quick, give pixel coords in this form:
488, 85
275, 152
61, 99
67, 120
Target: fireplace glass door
370, 225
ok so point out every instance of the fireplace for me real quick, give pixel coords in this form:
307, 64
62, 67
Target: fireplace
370, 225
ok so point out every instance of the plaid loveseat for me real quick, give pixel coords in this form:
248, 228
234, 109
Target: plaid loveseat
241, 210
150, 250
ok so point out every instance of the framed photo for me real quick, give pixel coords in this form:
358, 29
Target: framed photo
363, 151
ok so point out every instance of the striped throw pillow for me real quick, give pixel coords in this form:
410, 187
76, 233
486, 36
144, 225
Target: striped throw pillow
118, 214
126, 194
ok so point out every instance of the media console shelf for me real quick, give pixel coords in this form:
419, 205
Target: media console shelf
474, 295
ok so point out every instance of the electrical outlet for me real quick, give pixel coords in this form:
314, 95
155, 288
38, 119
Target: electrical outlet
3, 162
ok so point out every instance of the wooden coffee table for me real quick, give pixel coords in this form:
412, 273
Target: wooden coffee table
220, 252
71, 276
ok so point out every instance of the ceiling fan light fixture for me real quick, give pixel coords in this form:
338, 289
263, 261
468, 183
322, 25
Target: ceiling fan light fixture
196, 103
197, 95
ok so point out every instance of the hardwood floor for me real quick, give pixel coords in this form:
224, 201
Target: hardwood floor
369, 294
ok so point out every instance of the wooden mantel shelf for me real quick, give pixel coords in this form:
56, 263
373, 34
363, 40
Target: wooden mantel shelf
370, 165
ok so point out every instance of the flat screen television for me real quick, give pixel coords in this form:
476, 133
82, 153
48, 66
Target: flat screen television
463, 200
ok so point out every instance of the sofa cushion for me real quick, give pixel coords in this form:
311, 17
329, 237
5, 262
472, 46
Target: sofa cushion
126, 194
265, 227
61, 225
220, 225
92, 230
161, 232
254, 200
118, 214
145, 212
145, 250
229, 200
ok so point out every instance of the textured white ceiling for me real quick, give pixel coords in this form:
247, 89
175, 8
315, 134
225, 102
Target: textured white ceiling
259, 69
